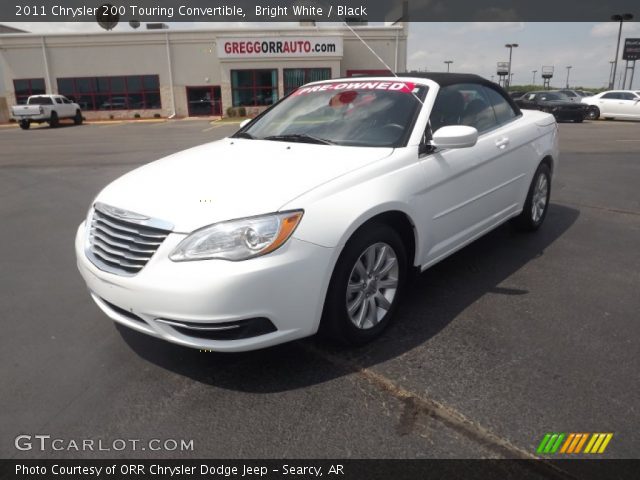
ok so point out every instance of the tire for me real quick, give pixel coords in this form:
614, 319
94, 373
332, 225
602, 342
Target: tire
54, 121
538, 196
368, 247
593, 113
78, 118
25, 124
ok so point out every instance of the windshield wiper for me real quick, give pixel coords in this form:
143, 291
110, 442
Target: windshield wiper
300, 137
244, 135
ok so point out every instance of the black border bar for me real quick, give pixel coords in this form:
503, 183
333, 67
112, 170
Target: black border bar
318, 10
584, 469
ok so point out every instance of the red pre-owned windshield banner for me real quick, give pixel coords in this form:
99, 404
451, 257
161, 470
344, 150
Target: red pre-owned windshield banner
402, 87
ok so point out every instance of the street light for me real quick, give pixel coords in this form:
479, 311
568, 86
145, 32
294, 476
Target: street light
625, 17
511, 78
611, 73
510, 46
534, 77
448, 62
569, 67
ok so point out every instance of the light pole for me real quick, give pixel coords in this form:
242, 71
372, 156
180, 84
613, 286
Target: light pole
569, 67
511, 78
611, 74
448, 62
625, 17
510, 46
534, 77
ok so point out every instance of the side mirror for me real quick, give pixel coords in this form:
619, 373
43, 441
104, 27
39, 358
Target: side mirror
455, 136
244, 123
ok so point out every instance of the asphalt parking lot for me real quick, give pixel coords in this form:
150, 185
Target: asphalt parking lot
514, 336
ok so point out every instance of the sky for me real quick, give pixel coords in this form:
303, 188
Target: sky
476, 47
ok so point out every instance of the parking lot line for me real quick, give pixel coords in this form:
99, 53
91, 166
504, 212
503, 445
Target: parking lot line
449, 416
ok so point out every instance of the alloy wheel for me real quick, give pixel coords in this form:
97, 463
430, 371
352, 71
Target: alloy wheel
372, 285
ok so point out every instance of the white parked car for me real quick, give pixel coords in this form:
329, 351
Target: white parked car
623, 104
312, 215
46, 108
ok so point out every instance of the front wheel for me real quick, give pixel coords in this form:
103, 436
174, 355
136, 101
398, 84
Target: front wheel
365, 286
593, 113
25, 124
537, 202
78, 118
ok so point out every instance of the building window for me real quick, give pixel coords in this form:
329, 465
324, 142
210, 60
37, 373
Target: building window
254, 87
132, 92
25, 87
296, 77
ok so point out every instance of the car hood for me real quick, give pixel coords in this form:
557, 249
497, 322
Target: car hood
231, 178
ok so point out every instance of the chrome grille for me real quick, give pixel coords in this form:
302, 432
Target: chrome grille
122, 242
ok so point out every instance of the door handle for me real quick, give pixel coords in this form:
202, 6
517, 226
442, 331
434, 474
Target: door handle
502, 143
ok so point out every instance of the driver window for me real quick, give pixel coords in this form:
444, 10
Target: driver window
463, 104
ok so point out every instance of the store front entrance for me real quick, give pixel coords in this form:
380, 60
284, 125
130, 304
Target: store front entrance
204, 101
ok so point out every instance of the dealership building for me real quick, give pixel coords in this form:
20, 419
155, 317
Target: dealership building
180, 73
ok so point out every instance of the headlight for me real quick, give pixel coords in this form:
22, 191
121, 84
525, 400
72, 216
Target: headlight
238, 239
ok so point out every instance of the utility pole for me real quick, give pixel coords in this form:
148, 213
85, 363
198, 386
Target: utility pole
510, 46
569, 67
625, 17
534, 77
448, 62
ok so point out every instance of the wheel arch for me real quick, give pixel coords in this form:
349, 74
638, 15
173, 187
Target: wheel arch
399, 219
548, 160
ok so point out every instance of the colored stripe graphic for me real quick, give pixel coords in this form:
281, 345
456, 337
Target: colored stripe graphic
581, 443
567, 442
572, 443
543, 443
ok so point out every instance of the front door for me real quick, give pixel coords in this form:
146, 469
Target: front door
204, 101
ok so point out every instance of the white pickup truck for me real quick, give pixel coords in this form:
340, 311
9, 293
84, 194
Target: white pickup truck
46, 108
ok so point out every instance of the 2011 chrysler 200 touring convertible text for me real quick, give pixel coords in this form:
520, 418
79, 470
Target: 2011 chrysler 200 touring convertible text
312, 215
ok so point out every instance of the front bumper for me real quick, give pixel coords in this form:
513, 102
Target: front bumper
287, 287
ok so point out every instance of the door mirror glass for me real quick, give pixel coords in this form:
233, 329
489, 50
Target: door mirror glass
455, 136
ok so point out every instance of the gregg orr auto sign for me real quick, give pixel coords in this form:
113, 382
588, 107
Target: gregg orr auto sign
274, 47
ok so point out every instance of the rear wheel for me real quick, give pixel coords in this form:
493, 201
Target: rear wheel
54, 121
78, 118
365, 286
537, 202
25, 124
593, 113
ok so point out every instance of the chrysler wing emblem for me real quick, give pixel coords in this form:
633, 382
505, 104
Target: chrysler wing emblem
121, 213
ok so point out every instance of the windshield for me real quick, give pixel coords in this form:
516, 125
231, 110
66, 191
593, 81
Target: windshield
353, 113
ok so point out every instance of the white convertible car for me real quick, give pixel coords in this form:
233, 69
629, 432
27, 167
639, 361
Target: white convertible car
313, 214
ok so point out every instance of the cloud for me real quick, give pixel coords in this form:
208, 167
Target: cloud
487, 27
610, 29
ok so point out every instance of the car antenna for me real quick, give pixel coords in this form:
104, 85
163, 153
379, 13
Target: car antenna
377, 56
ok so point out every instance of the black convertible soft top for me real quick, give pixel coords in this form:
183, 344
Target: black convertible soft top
445, 79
